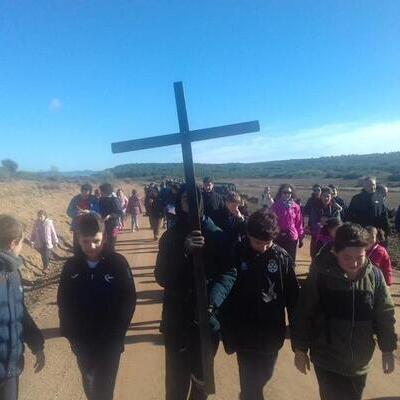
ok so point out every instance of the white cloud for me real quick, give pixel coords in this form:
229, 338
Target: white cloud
326, 140
55, 105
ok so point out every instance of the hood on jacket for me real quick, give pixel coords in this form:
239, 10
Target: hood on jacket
9, 262
181, 216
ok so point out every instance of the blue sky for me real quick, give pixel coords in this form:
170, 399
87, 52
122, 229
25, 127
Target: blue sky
323, 77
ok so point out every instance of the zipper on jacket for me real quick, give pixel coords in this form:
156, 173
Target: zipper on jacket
353, 290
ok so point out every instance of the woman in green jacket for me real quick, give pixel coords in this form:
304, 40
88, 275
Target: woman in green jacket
343, 305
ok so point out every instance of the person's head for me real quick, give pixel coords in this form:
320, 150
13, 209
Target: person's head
182, 204
382, 190
316, 190
286, 192
91, 235
174, 187
86, 190
11, 234
106, 189
134, 192
326, 195
120, 193
334, 190
350, 245
42, 215
267, 190
332, 225
369, 184
262, 229
208, 184
97, 193
232, 202
376, 235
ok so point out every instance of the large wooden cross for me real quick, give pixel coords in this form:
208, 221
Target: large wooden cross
185, 137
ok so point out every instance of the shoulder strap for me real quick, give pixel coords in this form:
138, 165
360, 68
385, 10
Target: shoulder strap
377, 282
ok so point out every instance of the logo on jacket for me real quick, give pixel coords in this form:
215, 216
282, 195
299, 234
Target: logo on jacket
272, 266
244, 266
74, 276
269, 294
108, 278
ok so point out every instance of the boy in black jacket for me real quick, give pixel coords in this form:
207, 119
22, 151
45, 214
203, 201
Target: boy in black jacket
96, 300
253, 322
16, 325
174, 272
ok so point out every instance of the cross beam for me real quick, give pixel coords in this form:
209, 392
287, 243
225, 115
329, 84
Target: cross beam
185, 137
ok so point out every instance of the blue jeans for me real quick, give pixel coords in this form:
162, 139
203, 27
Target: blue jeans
255, 370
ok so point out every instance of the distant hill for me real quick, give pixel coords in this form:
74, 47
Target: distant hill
384, 165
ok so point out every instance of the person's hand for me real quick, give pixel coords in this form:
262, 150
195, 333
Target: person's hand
388, 362
194, 242
302, 361
301, 244
39, 362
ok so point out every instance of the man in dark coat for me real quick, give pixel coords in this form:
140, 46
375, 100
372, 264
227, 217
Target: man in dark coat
174, 272
367, 208
213, 202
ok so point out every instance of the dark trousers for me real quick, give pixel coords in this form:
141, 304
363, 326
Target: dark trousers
155, 224
289, 245
313, 246
45, 254
111, 240
9, 388
99, 372
255, 370
334, 386
181, 366
75, 243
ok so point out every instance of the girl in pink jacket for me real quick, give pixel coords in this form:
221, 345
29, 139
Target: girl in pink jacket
379, 255
44, 237
290, 220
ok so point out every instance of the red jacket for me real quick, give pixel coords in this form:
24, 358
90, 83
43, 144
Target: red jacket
380, 258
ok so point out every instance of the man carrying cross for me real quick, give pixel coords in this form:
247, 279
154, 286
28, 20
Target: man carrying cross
205, 281
174, 272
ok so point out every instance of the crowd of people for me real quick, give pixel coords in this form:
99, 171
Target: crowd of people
249, 258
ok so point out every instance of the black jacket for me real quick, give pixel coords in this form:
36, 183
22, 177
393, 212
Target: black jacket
368, 209
16, 325
110, 206
253, 316
96, 305
213, 204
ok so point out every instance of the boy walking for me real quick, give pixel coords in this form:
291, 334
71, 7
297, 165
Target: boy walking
343, 304
253, 321
96, 300
16, 325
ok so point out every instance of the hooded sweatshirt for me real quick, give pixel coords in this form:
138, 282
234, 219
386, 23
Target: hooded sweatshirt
337, 318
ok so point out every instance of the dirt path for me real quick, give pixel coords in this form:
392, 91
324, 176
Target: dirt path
141, 374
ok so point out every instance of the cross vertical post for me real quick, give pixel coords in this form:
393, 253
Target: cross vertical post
198, 259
